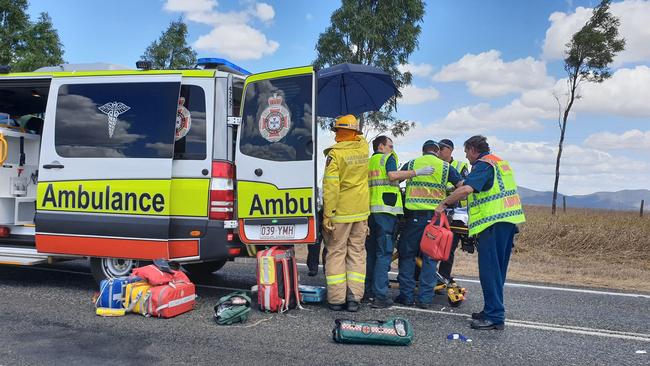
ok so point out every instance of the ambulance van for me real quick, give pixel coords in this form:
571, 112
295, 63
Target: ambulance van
125, 166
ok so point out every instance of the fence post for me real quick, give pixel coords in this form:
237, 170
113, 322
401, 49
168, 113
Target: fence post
564, 204
641, 210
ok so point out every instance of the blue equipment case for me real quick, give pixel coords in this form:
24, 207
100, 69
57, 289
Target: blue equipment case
111, 292
312, 294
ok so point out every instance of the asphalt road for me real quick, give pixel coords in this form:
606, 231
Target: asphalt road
47, 317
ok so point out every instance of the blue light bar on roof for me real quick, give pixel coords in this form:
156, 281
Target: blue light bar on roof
221, 64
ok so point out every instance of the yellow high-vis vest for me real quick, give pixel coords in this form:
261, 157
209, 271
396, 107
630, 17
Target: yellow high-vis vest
501, 203
425, 192
381, 188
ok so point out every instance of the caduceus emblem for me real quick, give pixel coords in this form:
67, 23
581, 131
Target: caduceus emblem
113, 110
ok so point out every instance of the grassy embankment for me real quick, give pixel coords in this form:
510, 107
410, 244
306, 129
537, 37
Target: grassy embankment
582, 247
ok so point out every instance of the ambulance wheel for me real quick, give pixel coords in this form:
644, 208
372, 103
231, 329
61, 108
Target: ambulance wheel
103, 268
204, 269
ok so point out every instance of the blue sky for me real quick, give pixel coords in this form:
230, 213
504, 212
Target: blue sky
488, 67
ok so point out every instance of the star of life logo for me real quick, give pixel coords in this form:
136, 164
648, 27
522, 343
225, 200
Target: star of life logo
113, 110
275, 120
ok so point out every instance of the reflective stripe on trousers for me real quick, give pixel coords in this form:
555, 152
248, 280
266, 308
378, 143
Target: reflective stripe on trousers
345, 263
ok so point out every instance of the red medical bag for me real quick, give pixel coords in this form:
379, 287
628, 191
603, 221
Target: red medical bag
436, 239
155, 276
171, 299
277, 280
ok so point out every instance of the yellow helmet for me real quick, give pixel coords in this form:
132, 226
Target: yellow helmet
348, 122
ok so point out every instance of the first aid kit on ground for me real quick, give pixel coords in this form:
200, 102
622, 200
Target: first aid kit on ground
392, 332
156, 276
156, 291
232, 308
111, 292
277, 280
436, 239
312, 294
136, 297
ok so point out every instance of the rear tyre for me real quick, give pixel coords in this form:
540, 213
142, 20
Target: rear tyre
103, 268
203, 269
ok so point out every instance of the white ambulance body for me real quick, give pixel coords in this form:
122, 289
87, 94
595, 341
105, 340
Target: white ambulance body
124, 166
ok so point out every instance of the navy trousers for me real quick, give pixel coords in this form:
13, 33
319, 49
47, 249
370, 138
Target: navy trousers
409, 247
379, 252
494, 249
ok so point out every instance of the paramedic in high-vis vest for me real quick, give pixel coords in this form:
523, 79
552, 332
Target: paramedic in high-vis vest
445, 153
423, 194
494, 210
385, 205
345, 215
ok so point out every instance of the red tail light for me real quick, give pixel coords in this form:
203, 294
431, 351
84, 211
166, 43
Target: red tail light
222, 194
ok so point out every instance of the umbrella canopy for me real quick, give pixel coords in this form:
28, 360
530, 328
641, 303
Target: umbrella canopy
352, 89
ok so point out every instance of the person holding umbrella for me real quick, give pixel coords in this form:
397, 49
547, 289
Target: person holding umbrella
345, 215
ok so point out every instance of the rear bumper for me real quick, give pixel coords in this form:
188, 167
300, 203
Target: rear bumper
215, 244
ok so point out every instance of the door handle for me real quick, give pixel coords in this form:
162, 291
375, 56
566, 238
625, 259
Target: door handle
53, 165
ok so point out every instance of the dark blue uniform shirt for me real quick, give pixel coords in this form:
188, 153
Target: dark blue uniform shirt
453, 177
481, 177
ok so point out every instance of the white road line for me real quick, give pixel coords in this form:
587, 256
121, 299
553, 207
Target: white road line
515, 323
511, 284
568, 289
542, 287
224, 288
551, 327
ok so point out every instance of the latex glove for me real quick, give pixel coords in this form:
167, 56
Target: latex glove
328, 225
427, 170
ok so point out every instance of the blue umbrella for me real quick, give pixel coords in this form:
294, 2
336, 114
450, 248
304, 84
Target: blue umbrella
352, 89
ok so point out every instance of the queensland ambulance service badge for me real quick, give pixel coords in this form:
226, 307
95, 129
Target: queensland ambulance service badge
183, 119
275, 120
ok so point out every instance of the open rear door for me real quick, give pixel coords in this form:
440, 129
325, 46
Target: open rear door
276, 160
106, 164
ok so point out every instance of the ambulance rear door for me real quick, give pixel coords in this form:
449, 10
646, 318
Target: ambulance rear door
275, 158
106, 165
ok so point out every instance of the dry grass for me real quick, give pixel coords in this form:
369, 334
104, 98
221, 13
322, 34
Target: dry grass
582, 247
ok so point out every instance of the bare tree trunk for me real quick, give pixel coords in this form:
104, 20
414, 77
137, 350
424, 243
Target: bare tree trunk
574, 84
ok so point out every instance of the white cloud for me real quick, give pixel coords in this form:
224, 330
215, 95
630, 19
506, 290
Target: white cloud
633, 14
583, 169
412, 94
633, 139
190, 6
264, 11
487, 75
626, 93
422, 70
232, 35
481, 118
309, 16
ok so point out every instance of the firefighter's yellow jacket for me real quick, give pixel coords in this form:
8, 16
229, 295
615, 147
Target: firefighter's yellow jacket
345, 184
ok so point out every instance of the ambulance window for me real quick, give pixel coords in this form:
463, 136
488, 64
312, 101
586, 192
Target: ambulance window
277, 119
237, 91
190, 124
116, 120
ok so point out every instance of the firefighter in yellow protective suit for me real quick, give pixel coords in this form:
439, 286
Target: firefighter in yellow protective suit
345, 216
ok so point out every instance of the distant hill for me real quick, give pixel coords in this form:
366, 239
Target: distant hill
628, 199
